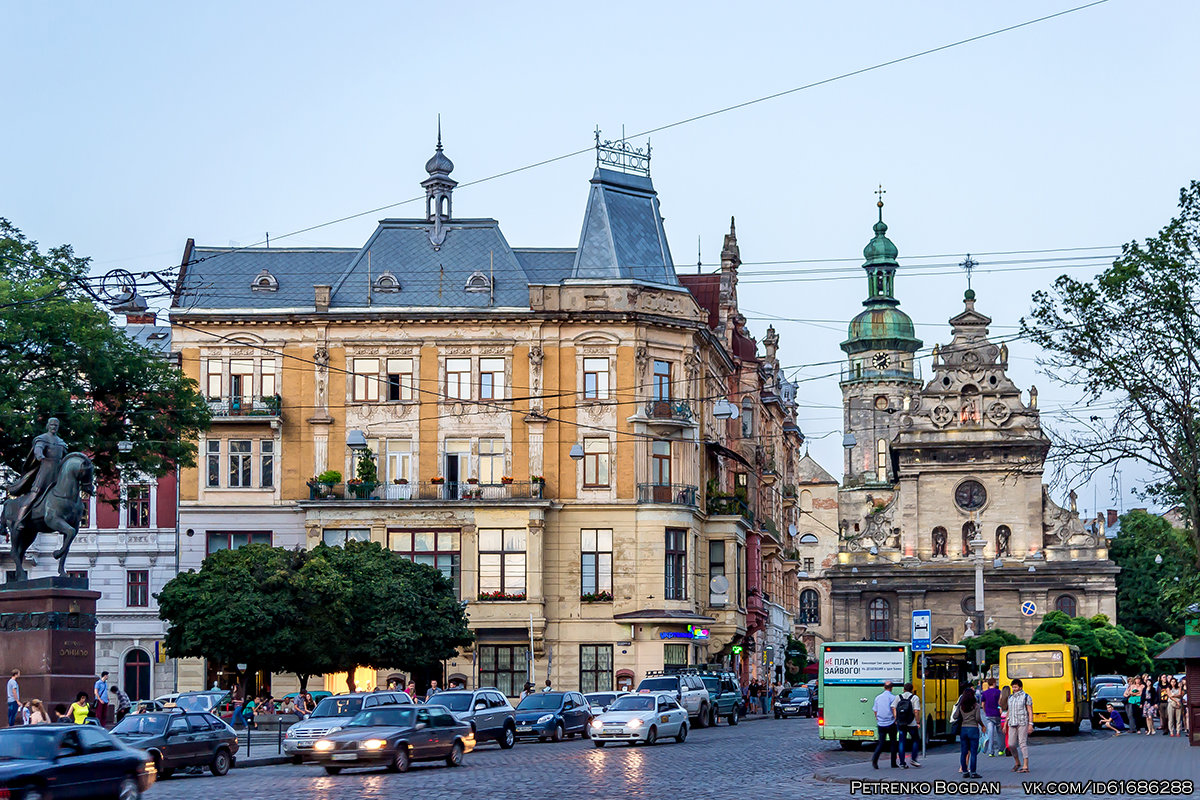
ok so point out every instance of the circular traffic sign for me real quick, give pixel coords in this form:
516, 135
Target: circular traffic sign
1029, 608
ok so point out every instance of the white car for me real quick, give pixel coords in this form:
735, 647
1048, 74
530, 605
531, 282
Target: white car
638, 718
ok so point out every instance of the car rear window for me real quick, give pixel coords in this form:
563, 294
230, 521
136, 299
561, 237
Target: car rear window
1045, 664
455, 701
659, 685
338, 707
16, 743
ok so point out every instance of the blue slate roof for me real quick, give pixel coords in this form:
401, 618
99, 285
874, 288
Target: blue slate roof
222, 280
623, 236
546, 264
155, 337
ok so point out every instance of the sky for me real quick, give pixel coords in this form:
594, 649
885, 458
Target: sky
131, 127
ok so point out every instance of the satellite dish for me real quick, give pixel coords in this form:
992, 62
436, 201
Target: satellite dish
719, 585
793, 530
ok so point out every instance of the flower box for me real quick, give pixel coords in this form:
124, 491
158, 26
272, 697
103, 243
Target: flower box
438, 479
596, 597
501, 596
506, 480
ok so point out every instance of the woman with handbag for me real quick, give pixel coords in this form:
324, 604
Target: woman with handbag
1133, 699
967, 718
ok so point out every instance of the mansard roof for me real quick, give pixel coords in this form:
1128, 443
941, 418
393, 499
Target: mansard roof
623, 236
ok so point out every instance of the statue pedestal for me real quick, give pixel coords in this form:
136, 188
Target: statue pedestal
48, 631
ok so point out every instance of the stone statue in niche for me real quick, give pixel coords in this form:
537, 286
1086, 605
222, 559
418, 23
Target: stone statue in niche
1002, 537
939, 542
970, 411
321, 360
968, 533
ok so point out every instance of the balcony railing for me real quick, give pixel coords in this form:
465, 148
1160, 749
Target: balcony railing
669, 410
229, 407
426, 491
675, 494
849, 372
729, 504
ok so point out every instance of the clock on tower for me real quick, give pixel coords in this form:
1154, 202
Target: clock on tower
880, 361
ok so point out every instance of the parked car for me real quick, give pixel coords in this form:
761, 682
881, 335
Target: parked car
180, 739
600, 701
395, 736
1106, 680
641, 719
688, 689
724, 696
1102, 696
204, 702
487, 711
317, 696
552, 715
796, 702
61, 760
330, 715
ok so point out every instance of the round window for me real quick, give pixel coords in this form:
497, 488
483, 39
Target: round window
970, 495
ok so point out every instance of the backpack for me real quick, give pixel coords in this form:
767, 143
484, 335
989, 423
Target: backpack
904, 710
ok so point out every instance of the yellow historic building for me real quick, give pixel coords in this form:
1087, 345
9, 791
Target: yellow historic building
592, 449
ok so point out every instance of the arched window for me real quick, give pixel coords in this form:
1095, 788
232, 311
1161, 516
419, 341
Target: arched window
881, 461
137, 674
478, 282
747, 418
1066, 604
879, 620
805, 500
809, 538
810, 607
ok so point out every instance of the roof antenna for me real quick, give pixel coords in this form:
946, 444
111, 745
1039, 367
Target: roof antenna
698, 259
368, 277
268, 240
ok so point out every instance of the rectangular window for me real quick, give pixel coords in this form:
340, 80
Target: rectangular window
676, 564
214, 463
595, 462
400, 379
504, 666
366, 380
660, 462
137, 588
809, 565
662, 380
595, 545
241, 384
716, 567
675, 655
239, 462
337, 537
458, 378
595, 667
491, 379
491, 461
399, 459
232, 540
438, 549
266, 455
213, 385
137, 499
269, 389
740, 569
595, 378
502, 562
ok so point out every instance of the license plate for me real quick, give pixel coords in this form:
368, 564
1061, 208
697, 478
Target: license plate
303, 745
524, 728
344, 756
864, 733
1118, 705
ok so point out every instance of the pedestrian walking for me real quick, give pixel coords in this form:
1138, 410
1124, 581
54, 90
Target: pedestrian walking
79, 709
885, 721
1020, 725
120, 703
100, 690
235, 719
1004, 695
970, 723
547, 687
14, 697
433, 690
39, 715
991, 720
1133, 700
907, 709
526, 690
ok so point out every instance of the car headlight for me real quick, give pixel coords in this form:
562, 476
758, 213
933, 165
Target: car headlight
634, 723
373, 744
289, 734
323, 744
544, 718
334, 729
597, 723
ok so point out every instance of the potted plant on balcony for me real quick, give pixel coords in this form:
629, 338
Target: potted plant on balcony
437, 480
596, 597
473, 481
501, 596
506, 479
367, 478
322, 485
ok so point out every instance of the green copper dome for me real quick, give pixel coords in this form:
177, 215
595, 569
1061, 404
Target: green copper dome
881, 325
880, 250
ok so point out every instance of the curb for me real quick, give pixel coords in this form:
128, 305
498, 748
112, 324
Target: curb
264, 761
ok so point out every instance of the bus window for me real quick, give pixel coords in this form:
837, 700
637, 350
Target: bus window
1046, 664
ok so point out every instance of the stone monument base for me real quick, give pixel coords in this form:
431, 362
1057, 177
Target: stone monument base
48, 631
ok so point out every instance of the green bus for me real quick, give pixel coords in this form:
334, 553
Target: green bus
852, 674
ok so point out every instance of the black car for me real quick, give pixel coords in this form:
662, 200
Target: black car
486, 710
797, 702
394, 737
59, 760
180, 739
551, 715
1104, 695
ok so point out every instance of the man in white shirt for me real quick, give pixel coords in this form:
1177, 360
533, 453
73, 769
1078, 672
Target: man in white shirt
14, 697
885, 722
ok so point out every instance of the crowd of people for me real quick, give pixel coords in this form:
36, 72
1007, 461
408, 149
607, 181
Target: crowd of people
1149, 702
104, 698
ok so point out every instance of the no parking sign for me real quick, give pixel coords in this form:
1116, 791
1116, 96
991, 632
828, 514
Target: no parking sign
1029, 608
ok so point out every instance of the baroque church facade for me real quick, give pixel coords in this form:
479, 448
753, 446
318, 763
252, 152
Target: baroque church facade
944, 472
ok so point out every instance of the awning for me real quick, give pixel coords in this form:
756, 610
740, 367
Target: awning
1187, 647
661, 615
722, 450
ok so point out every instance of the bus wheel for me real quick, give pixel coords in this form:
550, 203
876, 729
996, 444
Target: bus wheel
1071, 729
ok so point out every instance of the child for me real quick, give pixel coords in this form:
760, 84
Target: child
1114, 721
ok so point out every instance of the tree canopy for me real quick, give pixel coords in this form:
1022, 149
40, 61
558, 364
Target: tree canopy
61, 356
1109, 648
1142, 606
991, 641
330, 609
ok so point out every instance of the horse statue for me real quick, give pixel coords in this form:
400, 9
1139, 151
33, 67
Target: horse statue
59, 510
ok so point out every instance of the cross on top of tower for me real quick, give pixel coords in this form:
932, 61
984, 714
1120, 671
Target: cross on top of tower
969, 264
880, 192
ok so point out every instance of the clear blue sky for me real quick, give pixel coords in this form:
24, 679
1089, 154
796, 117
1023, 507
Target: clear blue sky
132, 126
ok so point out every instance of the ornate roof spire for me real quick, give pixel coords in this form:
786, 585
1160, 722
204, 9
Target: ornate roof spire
439, 189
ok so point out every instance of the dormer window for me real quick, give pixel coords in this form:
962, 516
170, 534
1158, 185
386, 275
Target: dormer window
386, 283
478, 282
264, 281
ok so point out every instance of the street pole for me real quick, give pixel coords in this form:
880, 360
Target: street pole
977, 545
532, 674
924, 733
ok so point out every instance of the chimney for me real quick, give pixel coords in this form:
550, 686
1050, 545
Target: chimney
322, 297
1112, 517
140, 318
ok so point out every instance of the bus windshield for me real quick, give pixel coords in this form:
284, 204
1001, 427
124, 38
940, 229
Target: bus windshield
1044, 664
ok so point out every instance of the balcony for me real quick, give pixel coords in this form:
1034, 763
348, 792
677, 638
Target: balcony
669, 412
249, 409
425, 492
674, 494
729, 504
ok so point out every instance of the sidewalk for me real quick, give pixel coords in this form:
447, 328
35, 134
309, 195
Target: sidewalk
1097, 757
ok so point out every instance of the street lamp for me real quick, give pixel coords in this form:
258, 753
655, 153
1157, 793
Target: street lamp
849, 441
577, 451
723, 409
356, 440
1158, 559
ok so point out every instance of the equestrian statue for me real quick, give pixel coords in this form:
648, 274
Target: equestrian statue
46, 498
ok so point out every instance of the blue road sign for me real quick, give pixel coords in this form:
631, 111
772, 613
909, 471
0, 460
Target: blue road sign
1029, 608
922, 624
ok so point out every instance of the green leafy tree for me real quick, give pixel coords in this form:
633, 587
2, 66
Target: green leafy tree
1142, 606
1130, 338
1108, 647
61, 356
991, 641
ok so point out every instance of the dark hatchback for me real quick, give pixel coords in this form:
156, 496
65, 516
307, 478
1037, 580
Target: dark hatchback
1101, 697
178, 739
797, 702
394, 737
552, 715
58, 761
